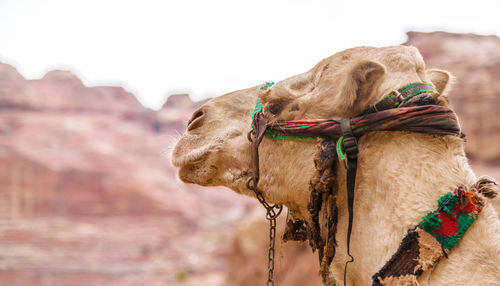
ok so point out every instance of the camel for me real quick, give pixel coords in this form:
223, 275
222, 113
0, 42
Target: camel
400, 176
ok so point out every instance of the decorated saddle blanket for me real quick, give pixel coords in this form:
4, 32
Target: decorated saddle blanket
437, 233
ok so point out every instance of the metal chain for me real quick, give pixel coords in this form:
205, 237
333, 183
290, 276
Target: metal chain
272, 211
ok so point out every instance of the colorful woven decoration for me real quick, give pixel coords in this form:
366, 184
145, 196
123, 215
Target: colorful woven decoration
437, 233
456, 212
430, 119
405, 96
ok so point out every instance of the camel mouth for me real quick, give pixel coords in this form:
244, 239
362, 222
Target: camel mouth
194, 160
200, 174
184, 154
191, 159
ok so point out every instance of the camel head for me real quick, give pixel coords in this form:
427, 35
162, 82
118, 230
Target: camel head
215, 150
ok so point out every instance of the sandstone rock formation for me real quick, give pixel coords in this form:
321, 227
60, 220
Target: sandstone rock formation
87, 193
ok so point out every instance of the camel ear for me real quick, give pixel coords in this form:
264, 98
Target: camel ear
362, 82
441, 79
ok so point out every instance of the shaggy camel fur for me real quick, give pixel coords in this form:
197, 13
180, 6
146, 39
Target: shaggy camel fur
400, 177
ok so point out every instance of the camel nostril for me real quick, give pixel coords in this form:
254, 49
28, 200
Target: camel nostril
196, 119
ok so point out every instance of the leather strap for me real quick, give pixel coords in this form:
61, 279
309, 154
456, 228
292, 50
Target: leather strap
350, 148
404, 96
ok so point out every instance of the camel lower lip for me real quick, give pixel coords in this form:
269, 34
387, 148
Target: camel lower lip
197, 174
193, 157
183, 174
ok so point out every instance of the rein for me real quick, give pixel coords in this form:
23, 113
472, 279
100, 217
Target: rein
407, 109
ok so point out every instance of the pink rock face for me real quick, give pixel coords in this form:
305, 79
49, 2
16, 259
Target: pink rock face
87, 191
12, 86
62, 90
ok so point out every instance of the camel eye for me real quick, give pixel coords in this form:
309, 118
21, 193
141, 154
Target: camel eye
196, 119
276, 107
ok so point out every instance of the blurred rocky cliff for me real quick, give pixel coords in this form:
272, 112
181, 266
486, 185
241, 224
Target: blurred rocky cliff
87, 193
88, 197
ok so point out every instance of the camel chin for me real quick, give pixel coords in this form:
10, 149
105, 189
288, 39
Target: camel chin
197, 174
194, 163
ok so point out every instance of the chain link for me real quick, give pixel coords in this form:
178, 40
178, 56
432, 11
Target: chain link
272, 211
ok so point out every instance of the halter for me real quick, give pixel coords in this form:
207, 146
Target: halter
407, 109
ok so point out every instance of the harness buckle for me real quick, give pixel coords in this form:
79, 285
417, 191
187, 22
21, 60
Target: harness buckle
399, 96
350, 146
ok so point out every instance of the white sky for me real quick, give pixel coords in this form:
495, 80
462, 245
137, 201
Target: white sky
210, 47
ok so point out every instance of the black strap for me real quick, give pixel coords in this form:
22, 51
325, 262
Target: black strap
350, 147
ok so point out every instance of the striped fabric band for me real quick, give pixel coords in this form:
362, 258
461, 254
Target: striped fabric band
430, 119
308, 129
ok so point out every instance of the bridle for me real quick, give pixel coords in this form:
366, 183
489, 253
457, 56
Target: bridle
272, 211
410, 108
